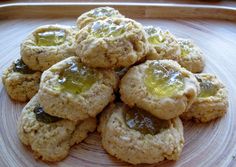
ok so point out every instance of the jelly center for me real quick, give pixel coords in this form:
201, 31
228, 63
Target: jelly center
42, 116
156, 36
207, 88
101, 12
21, 67
184, 52
144, 122
77, 78
185, 48
50, 37
107, 28
163, 82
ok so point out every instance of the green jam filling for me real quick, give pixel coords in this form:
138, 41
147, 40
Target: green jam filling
77, 78
156, 36
21, 67
185, 49
184, 52
163, 82
50, 37
207, 89
102, 12
42, 116
102, 29
156, 39
144, 122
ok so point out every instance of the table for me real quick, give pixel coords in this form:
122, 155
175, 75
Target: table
230, 3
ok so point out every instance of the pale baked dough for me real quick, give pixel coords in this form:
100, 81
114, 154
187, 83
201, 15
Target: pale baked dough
42, 57
188, 54
135, 93
125, 47
205, 109
20, 87
76, 106
134, 147
162, 44
100, 13
191, 56
51, 141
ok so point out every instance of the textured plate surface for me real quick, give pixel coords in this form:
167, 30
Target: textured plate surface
211, 144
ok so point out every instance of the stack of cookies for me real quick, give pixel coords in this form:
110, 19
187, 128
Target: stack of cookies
143, 81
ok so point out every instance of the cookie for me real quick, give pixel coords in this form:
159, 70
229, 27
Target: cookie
111, 43
47, 45
73, 91
135, 136
211, 103
162, 87
21, 83
50, 138
191, 56
163, 44
100, 13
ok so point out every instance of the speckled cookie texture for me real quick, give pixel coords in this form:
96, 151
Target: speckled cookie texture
117, 42
39, 56
51, 141
20, 87
211, 103
100, 13
163, 44
135, 92
191, 56
134, 147
76, 106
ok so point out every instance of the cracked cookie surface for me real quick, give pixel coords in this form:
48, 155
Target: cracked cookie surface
133, 146
161, 87
111, 43
162, 44
191, 56
47, 45
73, 91
100, 13
211, 103
51, 141
21, 83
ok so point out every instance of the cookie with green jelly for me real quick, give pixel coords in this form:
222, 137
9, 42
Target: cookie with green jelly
21, 82
191, 56
111, 43
161, 87
135, 136
47, 45
73, 91
50, 138
99, 13
162, 44
211, 102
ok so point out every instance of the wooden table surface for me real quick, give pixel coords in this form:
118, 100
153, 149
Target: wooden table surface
231, 3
